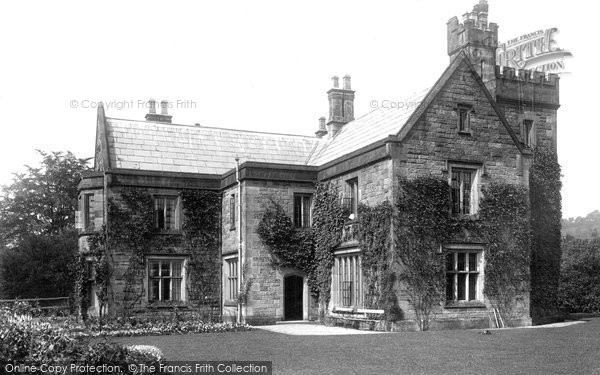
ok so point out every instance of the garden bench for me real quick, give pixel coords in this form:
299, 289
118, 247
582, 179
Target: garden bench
351, 316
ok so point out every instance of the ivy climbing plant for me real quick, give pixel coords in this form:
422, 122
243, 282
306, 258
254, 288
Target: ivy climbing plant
131, 233
328, 225
290, 248
545, 198
424, 224
504, 220
377, 258
201, 240
310, 251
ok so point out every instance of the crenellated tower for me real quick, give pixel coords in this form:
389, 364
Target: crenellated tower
478, 39
529, 99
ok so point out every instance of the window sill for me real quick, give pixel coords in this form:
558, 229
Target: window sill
230, 303
464, 305
162, 305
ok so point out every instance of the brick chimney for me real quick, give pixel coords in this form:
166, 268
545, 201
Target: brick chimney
155, 117
322, 128
341, 105
478, 39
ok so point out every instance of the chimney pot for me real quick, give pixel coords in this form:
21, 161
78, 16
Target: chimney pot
336, 82
347, 85
152, 106
322, 128
341, 106
155, 117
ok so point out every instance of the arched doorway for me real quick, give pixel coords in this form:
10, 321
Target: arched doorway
293, 287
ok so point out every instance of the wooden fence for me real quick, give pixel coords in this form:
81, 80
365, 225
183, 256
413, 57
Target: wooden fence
45, 305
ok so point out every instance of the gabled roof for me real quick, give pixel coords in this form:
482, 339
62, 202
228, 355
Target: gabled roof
376, 125
459, 60
153, 146
382, 122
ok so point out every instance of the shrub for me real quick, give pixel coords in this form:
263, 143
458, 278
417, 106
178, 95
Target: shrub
33, 341
579, 289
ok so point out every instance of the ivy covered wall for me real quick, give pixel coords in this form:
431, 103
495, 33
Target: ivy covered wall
265, 302
119, 251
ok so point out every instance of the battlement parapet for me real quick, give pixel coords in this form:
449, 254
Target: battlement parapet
527, 87
474, 29
526, 75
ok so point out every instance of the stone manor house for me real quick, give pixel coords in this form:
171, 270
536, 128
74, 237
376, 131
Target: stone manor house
477, 124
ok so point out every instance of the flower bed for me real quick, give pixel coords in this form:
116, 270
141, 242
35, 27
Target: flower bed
34, 341
25, 338
151, 324
166, 328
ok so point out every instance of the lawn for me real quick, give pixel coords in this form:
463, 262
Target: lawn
566, 350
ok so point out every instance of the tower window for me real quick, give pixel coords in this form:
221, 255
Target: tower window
529, 133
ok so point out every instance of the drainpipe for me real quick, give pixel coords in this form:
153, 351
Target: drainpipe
106, 185
239, 228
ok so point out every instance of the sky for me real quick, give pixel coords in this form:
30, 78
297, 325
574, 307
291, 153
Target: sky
260, 65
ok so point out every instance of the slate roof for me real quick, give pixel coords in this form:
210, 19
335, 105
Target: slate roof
372, 127
156, 146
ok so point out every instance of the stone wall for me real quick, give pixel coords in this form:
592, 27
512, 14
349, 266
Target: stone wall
433, 145
375, 182
129, 294
265, 301
434, 141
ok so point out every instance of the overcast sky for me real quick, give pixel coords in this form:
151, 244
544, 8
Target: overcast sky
260, 65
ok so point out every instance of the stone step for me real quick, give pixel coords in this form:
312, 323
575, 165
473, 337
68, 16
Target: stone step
295, 322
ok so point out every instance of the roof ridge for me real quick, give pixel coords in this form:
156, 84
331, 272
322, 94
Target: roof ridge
214, 127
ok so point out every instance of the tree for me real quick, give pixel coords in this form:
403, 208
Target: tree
42, 200
37, 235
39, 266
580, 275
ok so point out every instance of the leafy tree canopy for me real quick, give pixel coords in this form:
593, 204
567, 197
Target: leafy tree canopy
39, 266
582, 227
43, 199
